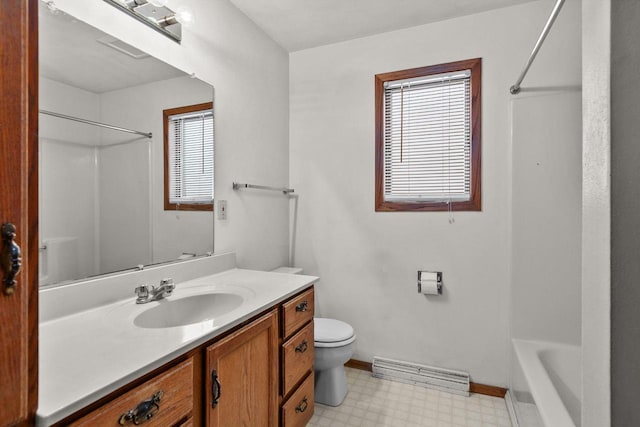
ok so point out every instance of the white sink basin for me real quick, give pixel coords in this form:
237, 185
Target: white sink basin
188, 310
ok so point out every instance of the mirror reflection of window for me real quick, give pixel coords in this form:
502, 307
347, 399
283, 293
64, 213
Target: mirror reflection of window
188, 155
101, 195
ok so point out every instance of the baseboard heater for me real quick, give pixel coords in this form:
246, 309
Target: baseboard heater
448, 380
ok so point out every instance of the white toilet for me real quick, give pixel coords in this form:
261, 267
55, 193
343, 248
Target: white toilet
333, 342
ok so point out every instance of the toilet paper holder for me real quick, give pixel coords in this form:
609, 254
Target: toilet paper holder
430, 282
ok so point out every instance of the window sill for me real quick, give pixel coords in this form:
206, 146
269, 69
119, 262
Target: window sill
399, 206
188, 207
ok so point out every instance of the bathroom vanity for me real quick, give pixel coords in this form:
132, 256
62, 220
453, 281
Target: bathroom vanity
123, 363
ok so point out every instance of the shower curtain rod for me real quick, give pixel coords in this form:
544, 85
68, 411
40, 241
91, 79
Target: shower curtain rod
91, 122
515, 89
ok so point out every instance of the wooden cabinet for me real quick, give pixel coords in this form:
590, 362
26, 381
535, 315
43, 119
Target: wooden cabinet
165, 400
242, 376
258, 374
297, 360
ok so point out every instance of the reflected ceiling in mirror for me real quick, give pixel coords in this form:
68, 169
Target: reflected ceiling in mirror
101, 190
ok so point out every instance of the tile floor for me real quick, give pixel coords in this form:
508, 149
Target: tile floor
376, 402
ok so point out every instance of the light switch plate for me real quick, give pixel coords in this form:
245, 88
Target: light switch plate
222, 210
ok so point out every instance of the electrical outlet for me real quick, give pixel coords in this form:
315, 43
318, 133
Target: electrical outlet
222, 210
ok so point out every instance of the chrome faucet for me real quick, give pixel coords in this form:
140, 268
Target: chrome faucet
146, 295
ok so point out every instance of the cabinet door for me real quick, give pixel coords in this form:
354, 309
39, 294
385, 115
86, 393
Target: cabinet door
242, 376
18, 205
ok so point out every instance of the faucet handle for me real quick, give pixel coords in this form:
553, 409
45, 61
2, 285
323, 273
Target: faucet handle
167, 285
142, 292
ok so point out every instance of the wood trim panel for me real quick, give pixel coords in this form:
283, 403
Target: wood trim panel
198, 388
165, 137
19, 205
488, 390
33, 242
359, 364
475, 203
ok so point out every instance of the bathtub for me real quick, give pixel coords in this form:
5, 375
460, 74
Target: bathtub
553, 375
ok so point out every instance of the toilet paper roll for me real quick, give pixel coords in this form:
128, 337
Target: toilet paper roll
428, 275
429, 287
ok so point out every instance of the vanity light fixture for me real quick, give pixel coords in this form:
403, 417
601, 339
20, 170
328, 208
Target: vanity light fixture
52, 7
157, 15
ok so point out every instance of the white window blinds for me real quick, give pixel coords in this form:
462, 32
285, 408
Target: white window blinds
191, 157
427, 138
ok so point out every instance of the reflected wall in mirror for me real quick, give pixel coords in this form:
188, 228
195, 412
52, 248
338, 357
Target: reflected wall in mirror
101, 190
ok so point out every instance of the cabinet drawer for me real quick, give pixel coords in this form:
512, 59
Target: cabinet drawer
298, 410
297, 312
297, 357
175, 404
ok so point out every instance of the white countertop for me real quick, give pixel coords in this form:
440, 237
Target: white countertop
89, 354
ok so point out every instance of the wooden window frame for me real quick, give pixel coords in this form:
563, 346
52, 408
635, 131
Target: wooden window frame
475, 201
168, 206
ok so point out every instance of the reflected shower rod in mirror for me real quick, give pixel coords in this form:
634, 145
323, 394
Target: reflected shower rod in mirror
91, 122
237, 186
101, 211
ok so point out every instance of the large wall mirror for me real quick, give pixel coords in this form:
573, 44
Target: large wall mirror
102, 189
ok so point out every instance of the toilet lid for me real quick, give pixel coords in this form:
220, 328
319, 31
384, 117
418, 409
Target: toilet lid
331, 330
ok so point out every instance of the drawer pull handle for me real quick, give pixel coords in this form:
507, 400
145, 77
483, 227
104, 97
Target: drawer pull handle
216, 389
303, 306
302, 406
302, 347
144, 411
11, 258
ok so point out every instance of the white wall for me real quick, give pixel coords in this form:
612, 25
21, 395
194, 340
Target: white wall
250, 75
367, 261
547, 217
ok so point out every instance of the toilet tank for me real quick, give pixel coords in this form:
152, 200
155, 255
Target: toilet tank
288, 270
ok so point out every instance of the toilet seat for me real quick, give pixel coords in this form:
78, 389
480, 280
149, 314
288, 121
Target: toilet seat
332, 333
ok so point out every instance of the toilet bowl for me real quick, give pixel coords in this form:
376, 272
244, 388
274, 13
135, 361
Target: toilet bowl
333, 342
